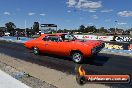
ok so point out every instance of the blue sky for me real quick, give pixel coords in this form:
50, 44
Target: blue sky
67, 13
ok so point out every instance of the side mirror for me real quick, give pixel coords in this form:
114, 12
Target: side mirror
44, 39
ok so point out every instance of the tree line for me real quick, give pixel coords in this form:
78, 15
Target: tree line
93, 29
10, 26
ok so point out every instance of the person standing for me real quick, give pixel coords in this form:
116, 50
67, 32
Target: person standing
17, 35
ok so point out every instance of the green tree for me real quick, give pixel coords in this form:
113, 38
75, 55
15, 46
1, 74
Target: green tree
82, 28
93, 29
90, 29
103, 30
36, 27
112, 30
59, 31
119, 30
66, 30
10, 27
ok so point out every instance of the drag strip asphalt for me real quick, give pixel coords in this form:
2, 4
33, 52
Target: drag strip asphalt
104, 63
101, 64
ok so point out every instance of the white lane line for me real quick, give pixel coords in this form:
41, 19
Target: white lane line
6, 81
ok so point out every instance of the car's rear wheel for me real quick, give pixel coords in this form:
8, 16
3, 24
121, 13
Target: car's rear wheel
77, 57
36, 50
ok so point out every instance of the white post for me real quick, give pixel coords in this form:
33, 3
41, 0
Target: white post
115, 26
25, 28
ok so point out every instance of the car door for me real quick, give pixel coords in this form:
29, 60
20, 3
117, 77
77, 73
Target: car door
46, 44
61, 47
51, 45
55, 46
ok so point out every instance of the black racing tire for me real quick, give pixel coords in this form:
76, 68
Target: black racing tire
81, 80
36, 51
77, 57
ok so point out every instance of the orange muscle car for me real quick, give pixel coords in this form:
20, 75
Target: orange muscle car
65, 45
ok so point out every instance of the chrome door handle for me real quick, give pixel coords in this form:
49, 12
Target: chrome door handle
46, 44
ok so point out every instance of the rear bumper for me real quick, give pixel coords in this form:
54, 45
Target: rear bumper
28, 46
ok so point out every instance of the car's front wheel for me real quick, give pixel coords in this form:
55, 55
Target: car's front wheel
77, 57
36, 50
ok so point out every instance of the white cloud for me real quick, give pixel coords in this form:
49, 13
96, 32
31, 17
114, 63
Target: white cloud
42, 14
94, 16
85, 4
7, 13
69, 11
71, 3
122, 23
92, 10
31, 13
107, 10
125, 13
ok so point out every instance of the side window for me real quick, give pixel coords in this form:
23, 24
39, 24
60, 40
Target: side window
46, 38
54, 39
51, 38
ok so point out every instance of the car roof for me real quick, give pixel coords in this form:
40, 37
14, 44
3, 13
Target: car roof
57, 34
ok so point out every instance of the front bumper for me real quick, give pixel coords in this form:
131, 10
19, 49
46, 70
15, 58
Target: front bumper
97, 49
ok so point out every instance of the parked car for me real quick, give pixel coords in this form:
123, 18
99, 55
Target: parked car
65, 45
7, 33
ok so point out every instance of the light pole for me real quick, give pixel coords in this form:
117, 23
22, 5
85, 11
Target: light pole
25, 28
115, 26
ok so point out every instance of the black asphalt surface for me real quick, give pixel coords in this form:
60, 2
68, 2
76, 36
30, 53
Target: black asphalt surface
101, 64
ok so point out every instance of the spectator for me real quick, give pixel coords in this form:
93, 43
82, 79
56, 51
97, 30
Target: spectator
17, 35
1, 34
